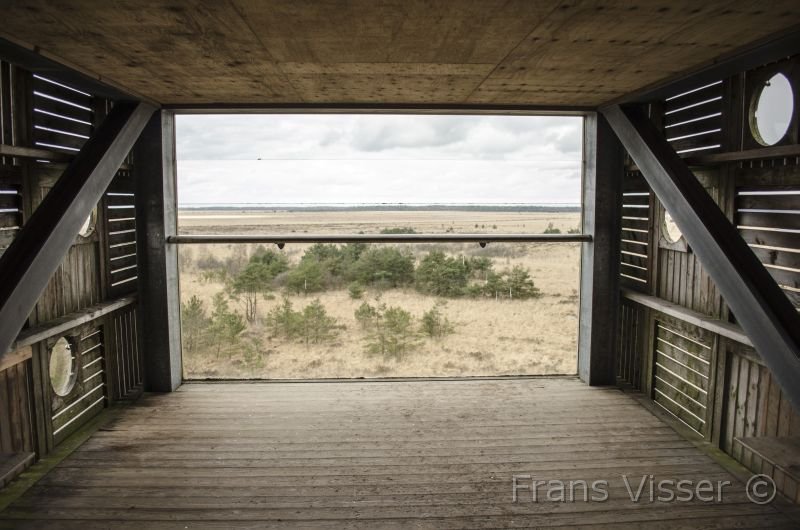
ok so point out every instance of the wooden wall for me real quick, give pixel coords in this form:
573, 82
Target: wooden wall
42, 125
711, 382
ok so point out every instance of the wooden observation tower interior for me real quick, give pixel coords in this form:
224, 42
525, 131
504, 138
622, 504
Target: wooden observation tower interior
688, 362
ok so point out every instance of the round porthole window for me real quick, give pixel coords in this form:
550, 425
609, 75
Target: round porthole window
89, 224
62, 367
771, 110
671, 231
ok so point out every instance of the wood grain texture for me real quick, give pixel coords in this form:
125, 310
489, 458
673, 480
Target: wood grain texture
433, 454
580, 53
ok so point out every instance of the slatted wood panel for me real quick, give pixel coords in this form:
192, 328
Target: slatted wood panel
768, 218
88, 396
74, 286
423, 455
62, 116
632, 345
10, 213
756, 407
693, 119
682, 373
121, 260
128, 370
683, 280
17, 426
636, 228
10, 111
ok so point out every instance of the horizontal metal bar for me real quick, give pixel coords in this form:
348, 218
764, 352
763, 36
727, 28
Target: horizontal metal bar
380, 238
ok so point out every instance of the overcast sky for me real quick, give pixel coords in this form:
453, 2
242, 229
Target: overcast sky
355, 159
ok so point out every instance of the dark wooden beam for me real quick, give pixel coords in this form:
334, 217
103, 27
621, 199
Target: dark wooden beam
747, 57
380, 108
37, 251
602, 202
761, 308
156, 214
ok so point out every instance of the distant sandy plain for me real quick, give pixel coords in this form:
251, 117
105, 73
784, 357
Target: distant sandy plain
491, 337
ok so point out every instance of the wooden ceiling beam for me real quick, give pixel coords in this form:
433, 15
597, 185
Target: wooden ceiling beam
39, 62
753, 55
41, 244
387, 108
761, 308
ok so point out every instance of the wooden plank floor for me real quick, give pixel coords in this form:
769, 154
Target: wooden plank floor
432, 454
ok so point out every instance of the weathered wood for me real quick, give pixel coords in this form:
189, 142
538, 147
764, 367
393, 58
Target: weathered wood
18, 354
34, 152
373, 454
38, 249
491, 53
770, 48
700, 320
12, 464
761, 308
600, 267
155, 177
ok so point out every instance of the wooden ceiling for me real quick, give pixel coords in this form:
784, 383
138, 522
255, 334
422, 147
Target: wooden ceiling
516, 52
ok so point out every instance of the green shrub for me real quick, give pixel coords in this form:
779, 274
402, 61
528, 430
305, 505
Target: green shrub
283, 321
308, 277
315, 324
355, 290
226, 325
399, 230
441, 275
391, 330
513, 284
193, 322
275, 262
552, 229
383, 266
366, 316
434, 324
254, 280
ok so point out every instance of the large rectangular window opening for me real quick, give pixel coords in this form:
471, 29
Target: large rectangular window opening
348, 246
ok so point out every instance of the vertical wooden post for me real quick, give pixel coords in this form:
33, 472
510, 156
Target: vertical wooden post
602, 202
159, 333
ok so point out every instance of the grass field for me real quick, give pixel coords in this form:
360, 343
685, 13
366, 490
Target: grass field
490, 336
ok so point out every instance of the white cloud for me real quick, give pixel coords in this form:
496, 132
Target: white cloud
378, 158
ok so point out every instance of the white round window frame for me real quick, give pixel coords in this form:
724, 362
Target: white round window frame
669, 229
755, 131
73, 366
89, 225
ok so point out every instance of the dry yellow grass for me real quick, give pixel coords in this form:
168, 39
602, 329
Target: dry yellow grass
492, 337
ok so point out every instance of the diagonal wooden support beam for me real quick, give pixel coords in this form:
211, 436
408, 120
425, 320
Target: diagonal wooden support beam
41, 244
761, 308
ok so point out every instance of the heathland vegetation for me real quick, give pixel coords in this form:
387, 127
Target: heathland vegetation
368, 310
391, 331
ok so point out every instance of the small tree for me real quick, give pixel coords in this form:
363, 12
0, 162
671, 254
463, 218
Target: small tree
356, 290
315, 324
307, 277
440, 275
391, 330
366, 316
193, 322
552, 229
254, 280
519, 283
226, 325
283, 321
434, 324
